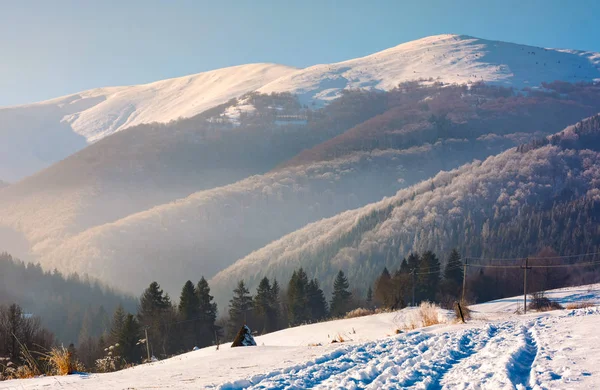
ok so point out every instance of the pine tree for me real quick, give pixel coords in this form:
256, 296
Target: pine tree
298, 308
429, 278
263, 304
404, 268
189, 303
341, 300
207, 314
239, 308
369, 299
316, 301
413, 262
454, 268
401, 282
276, 306
384, 289
155, 312
453, 274
129, 337
189, 307
117, 324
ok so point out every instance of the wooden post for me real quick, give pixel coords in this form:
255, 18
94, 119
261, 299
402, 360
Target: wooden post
462, 317
413, 286
525, 284
147, 343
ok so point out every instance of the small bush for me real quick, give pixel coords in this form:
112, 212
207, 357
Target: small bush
541, 303
579, 305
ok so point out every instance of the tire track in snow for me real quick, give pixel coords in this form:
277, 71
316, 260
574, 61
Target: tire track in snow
416, 359
504, 363
519, 371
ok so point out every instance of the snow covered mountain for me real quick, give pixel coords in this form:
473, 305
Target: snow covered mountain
49, 131
446, 58
36, 135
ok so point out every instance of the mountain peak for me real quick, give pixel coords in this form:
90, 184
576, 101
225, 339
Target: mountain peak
447, 58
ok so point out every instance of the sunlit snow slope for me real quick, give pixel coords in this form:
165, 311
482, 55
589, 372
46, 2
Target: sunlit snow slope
446, 58
34, 136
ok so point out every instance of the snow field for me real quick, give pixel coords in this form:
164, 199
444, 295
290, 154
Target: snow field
496, 350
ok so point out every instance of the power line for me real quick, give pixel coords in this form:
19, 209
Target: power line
536, 266
531, 257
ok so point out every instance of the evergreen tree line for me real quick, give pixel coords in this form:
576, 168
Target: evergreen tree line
302, 302
170, 328
420, 277
161, 328
72, 307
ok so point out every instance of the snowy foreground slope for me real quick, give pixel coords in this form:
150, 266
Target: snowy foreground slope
496, 350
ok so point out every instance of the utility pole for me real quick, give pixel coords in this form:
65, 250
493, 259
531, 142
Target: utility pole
525, 268
464, 280
413, 286
147, 343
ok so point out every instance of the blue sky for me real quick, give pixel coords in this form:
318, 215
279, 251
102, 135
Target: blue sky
53, 48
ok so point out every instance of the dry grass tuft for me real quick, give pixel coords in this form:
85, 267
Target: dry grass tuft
24, 372
360, 312
426, 315
338, 339
62, 362
429, 314
579, 305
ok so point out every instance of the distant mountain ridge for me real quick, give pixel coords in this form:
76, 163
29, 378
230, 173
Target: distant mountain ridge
194, 196
49, 131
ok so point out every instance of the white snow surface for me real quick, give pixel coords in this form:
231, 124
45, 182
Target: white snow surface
104, 111
495, 350
447, 58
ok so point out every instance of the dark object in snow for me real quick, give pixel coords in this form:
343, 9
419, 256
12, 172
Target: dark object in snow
244, 338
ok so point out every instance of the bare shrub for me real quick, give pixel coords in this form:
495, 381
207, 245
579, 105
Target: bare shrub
579, 305
540, 303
